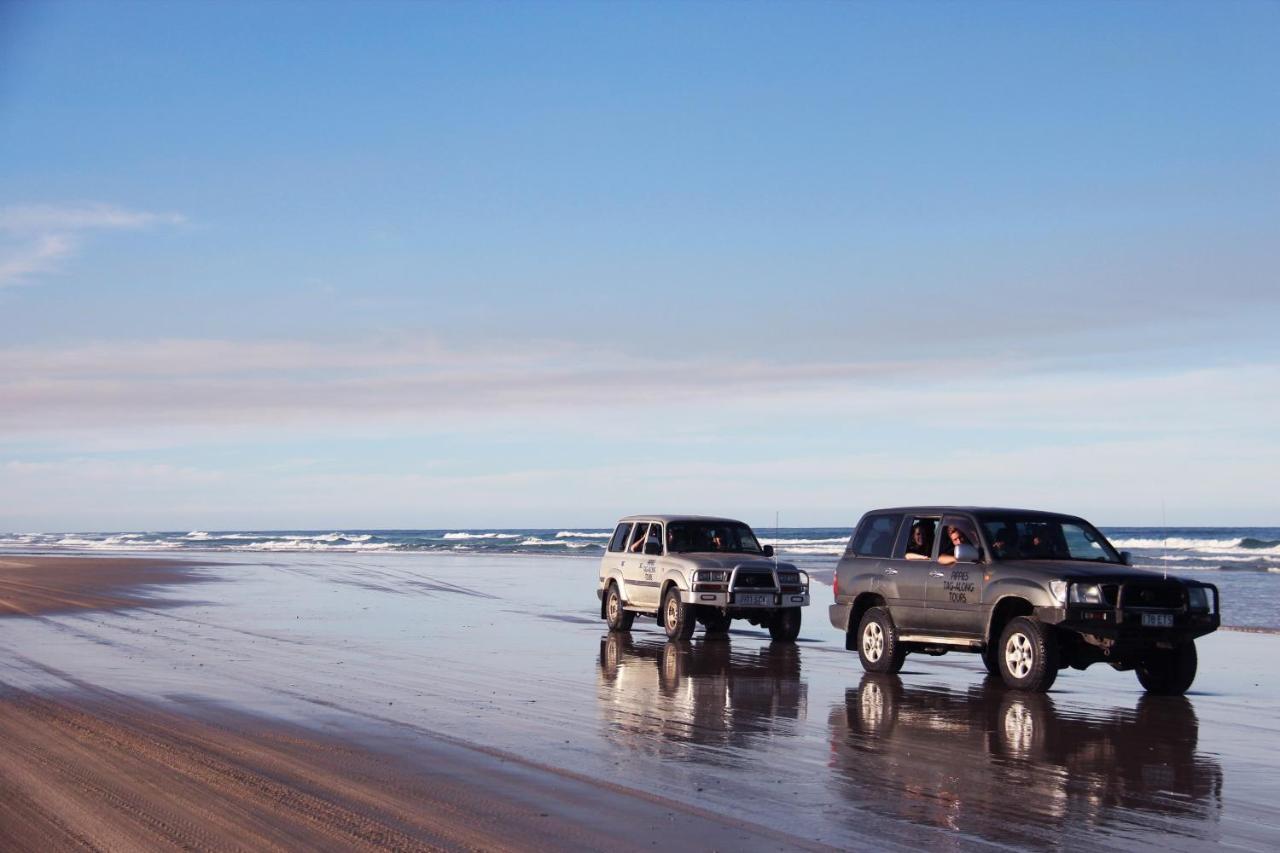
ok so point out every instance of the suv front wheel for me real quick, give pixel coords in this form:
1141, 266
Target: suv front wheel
1028, 655
616, 616
677, 617
1168, 673
879, 648
784, 627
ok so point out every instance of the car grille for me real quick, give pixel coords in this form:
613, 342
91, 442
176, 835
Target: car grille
753, 580
1170, 596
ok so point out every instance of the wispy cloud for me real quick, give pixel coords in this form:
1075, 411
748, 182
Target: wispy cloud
35, 238
304, 385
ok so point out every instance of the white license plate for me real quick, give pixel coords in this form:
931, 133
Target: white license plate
753, 599
1157, 620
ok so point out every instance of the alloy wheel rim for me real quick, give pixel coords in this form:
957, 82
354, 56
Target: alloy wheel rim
613, 607
1019, 655
671, 613
873, 642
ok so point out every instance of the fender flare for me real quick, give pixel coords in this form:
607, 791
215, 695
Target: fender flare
612, 576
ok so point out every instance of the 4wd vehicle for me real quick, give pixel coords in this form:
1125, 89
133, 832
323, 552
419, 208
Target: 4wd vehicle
1032, 592
686, 569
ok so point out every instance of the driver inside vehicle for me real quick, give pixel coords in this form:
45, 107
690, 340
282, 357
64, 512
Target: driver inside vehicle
956, 536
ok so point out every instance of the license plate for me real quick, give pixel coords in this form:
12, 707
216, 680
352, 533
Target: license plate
1157, 620
753, 599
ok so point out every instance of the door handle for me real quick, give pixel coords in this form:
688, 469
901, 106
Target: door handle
890, 571
937, 574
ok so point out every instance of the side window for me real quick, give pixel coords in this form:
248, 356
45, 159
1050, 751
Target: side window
920, 539
876, 535
619, 540
636, 546
655, 537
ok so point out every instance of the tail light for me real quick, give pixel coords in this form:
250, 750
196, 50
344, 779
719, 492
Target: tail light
835, 585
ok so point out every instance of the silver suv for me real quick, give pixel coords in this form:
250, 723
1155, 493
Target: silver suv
686, 569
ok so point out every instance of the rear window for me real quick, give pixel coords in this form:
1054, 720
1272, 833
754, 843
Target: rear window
619, 540
875, 535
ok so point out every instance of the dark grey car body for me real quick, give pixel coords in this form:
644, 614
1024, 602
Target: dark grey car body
965, 605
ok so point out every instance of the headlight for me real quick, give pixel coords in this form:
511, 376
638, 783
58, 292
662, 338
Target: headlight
1198, 599
1059, 590
711, 576
804, 579
1086, 593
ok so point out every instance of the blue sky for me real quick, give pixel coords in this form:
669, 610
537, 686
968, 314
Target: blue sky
425, 265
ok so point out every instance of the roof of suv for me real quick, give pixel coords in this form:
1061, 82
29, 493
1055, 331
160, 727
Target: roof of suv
669, 518
942, 510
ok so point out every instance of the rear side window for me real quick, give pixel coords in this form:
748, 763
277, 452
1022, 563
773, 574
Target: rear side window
876, 535
619, 540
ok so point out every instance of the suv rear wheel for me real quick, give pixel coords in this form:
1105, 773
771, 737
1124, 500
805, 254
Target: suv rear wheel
878, 646
1028, 655
616, 616
677, 617
1169, 672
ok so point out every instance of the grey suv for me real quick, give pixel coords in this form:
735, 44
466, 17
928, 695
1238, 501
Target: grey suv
686, 569
1032, 592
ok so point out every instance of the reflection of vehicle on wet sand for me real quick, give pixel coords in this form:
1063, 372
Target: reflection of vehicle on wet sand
655, 693
956, 758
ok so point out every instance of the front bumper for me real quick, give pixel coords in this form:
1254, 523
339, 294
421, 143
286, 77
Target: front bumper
1124, 628
729, 599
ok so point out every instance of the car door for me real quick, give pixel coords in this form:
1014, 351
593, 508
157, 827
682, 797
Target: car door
955, 589
640, 569
615, 557
905, 573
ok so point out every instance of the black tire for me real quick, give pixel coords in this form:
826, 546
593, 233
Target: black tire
615, 616
677, 617
784, 627
717, 623
1168, 672
1028, 655
878, 646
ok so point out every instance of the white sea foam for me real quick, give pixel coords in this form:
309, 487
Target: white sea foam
1178, 543
783, 543
571, 534
481, 536
310, 544
810, 549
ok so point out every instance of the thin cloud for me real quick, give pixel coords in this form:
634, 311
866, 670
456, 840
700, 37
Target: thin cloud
41, 236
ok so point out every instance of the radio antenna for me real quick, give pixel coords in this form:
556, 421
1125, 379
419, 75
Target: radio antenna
776, 544
1164, 524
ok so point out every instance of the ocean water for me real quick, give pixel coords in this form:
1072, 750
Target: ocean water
1244, 562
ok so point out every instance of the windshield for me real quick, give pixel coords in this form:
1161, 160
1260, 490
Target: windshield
1047, 538
734, 537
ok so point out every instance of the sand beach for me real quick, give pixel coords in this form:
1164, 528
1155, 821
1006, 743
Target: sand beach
291, 701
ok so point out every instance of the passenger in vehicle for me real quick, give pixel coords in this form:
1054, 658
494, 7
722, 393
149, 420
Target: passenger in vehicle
1005, 543
637, 539
920, 545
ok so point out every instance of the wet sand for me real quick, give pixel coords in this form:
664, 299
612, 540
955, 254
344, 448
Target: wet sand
108, 773
35, 585
355, 679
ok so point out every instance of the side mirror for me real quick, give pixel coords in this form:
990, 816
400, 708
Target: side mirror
768, 550
966, 553
1126, 558
653, 549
